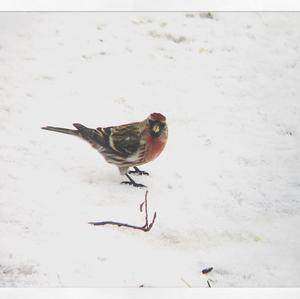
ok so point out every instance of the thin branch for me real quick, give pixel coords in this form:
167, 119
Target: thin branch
146, 209
208, 282
146, 227
207, 270
141, 206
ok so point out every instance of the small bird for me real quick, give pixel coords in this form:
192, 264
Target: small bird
125, 146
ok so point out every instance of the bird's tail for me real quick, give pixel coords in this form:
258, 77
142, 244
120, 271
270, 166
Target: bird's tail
81, 131
92, 136
61, 130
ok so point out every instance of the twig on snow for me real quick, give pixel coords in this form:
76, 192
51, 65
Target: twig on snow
209, 280
207, 270
146, 227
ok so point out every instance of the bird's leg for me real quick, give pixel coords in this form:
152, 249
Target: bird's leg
138, 171
132, 182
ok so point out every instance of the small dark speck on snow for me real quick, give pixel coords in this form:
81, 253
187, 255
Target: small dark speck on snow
207, 270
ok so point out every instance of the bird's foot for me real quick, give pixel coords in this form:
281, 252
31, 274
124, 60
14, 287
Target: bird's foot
138, 171
134, 184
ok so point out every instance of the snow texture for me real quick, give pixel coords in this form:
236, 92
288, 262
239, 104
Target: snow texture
226, 188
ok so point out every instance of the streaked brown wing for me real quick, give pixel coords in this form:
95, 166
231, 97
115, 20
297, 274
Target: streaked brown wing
124, 139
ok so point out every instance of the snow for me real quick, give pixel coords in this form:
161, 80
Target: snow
225, 189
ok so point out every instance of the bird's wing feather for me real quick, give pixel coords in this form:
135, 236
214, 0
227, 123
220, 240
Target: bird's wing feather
124, 139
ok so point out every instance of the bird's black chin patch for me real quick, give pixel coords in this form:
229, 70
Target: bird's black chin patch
155, 135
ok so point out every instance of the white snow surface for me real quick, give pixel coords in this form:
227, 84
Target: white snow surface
226, 188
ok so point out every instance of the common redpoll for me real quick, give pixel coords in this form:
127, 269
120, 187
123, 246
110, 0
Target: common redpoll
128, 145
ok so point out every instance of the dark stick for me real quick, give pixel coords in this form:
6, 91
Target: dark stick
146, 209
207, 270
146, 227
118, 224
141, 206
208, 280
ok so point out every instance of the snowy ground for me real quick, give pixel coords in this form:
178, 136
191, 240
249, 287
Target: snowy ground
226, 188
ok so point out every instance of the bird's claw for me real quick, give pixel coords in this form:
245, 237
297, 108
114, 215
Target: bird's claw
138, 172
133, 184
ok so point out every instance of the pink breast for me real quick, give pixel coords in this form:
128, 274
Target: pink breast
155, 148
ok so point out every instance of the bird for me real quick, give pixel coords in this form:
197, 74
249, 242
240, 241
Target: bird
128, 145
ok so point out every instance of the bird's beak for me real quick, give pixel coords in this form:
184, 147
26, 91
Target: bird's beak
156, 129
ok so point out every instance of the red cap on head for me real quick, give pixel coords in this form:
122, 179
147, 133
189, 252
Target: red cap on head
157, 116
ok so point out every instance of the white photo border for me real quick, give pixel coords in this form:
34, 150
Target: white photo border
148, 293
149, 5
146, 5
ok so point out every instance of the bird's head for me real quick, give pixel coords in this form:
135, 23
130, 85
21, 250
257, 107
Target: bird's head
157, 125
